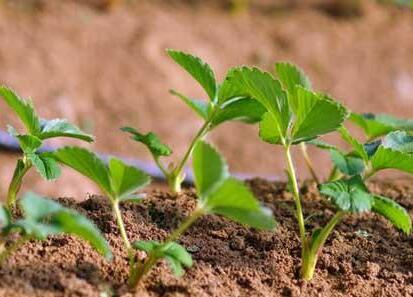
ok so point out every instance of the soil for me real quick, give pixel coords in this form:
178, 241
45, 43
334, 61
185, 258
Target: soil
365, 255
103, 69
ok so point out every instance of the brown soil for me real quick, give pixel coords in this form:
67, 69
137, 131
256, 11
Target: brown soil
365, 256
105, 69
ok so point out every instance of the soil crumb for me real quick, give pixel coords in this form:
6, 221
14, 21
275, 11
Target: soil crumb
365, 255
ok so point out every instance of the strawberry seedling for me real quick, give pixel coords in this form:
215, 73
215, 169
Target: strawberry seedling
37, 130
223, 105
218, 193
295, 115
118, 181
43, 217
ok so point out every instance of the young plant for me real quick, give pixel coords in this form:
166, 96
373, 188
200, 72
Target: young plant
37, 130
118, 181
300, 115
218, 193
224, 105
43, 217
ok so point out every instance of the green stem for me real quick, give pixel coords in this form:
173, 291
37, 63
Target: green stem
308, 162
176, 177
296, 194
310, 257
5, 252
19, 172
161, 167
121, 225
141, 270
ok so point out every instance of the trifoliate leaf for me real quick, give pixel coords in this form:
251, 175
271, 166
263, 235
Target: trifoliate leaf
202, 108
262, 87
347, 164
348, 194
399, 141
380, 124
386, 158
209, 168
24, 110
86, 163
46, 166
198, 69
125, 179
235, 201
315, 116
240, 109
62, 128
394, 212
151, 140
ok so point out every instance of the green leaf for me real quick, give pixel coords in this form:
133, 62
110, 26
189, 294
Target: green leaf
348, 195
269, 131
87, 164
394, 212
357, 147
399, 141
125, 179
179, 253
151, 140
235, 201
241, 109
291, 77
46, 166
264, 88
209, 168
198, 69
62, 128
386, 158
36, 208
71, 222
146, 245
201, 107
229, 90
175, 265
28, 143
347, 164
378, 125
315, 116
371, 147
44, 217
24, 109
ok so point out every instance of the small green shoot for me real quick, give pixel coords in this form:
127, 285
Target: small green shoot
43, 217
218, 193
296, 115
36, 131
225, 104
116, 180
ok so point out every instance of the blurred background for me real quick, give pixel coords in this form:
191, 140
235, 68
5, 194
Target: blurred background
102, 64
